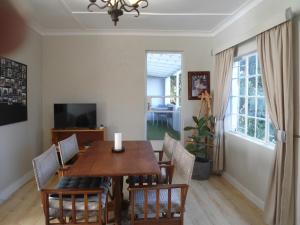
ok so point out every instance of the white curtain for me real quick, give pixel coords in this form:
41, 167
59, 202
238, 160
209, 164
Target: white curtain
223, 74
275, 55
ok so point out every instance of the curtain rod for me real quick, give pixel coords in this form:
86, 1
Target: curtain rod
288, 16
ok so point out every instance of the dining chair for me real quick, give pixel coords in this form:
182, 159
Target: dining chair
68, 149
165, 176
166, 167
166, 116
73, 200
163, 204
169, 145
156, 205
183, 163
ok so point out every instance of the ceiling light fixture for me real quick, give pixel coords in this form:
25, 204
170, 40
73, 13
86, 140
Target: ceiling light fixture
116, 7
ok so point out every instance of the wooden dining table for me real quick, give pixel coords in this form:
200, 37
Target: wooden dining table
99, 160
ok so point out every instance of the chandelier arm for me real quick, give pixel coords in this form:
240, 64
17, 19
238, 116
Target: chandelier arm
137, 13
130, 10
136, 5
116, 7
106, 4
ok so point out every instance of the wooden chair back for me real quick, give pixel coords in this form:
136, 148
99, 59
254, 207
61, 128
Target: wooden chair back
158, 205
66, 210
72, 215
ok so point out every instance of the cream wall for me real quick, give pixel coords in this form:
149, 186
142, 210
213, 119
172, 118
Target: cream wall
248, 165
110, 71
20, 142
264, 16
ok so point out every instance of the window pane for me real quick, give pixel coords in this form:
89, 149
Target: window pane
252, 65
242, 67
241, 124
271, 133
235, 87
251, 127
260, 90
234, 105
235, 70
260, 129
234, 121
242, 105
252, 86
242, 86
261, 108
251, 106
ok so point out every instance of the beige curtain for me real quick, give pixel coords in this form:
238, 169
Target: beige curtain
223, 74
275, 55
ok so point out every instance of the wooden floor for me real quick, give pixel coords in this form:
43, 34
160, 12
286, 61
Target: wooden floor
212, 202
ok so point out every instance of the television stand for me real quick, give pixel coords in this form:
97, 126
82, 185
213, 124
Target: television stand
85, 136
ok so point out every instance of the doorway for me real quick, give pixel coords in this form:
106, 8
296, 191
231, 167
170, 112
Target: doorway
164, 87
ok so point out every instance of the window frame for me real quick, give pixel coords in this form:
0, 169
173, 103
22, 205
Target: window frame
234, 116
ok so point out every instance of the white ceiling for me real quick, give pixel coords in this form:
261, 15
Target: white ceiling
203, 17
163, 64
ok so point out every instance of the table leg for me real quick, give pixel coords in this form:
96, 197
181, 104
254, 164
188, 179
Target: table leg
117, 193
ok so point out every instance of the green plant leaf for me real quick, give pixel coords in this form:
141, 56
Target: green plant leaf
195, 119
199, 144
190, 128
204, 133
201, 123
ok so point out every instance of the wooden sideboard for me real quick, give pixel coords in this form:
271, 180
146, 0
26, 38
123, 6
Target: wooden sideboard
84, 136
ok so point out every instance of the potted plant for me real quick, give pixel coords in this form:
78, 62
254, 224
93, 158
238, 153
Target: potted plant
199, 144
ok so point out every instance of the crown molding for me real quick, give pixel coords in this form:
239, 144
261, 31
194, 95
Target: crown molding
36, 28
128, 32
234, 16
237, 14
157, 14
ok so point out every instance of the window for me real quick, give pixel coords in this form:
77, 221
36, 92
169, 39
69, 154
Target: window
249, 115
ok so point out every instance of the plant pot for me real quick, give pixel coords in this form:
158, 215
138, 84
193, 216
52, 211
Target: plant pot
202, 169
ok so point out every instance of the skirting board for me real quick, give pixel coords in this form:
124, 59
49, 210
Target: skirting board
248, 194
7, 192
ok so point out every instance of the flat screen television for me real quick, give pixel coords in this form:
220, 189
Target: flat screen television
75, 116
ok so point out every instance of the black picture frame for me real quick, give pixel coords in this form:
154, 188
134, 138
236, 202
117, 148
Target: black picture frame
13, 91
198, 83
